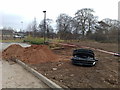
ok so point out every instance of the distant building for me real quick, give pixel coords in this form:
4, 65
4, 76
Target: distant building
6, 34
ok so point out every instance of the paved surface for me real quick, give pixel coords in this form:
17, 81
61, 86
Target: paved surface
0, 74
15, 76
0, 69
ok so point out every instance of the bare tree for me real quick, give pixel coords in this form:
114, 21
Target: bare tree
34, 27
108, 30
85, 19
49, 28
64, 26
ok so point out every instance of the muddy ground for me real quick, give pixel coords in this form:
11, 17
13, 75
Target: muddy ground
103, 75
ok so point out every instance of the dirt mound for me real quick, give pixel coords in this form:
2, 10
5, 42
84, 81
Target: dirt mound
12, 51
32, 55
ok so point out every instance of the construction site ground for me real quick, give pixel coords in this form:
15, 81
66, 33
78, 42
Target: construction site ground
103, 75
12, 75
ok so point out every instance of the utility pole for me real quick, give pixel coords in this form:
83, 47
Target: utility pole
44, 26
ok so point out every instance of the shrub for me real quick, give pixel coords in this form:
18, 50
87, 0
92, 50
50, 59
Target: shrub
32, 40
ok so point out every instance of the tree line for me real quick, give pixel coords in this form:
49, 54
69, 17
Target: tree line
84, 25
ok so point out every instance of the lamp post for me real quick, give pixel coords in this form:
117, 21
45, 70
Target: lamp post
44, 25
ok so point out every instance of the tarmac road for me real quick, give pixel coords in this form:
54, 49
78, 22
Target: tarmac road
15, 76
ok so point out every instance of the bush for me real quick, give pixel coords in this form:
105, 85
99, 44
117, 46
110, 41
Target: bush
32, 40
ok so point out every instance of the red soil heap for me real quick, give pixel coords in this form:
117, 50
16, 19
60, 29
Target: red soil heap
32, 55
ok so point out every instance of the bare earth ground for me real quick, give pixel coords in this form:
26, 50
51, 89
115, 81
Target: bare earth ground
62, 72
113, 47
15, 76
103, 75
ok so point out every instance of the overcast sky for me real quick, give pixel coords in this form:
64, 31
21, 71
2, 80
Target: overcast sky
12, 12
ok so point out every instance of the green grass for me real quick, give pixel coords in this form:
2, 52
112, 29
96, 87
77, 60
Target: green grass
16, 40
34, 40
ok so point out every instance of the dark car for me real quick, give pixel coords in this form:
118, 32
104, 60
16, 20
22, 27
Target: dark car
83, 57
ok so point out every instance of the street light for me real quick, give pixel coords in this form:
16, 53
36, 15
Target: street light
44, 25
